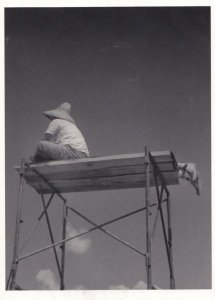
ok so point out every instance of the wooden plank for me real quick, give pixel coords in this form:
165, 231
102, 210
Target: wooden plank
67, 189
101, 173
96, 163
113, 171
103, 183
106, 161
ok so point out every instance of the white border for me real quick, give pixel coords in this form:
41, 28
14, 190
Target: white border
113, 295
93, 3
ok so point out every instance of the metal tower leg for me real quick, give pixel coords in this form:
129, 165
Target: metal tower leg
63, 248
148, 229
172, 279
168, 240
14, 265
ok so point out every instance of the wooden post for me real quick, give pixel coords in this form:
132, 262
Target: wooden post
148, 229
172, 280
63, 248
14, 265
168, 242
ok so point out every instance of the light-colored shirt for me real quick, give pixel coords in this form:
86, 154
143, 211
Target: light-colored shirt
66, 133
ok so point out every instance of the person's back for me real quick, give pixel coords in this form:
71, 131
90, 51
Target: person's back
64, 132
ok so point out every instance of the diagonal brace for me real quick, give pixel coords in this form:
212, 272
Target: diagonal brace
162, 220
155, 168
87, 231
51, 234
167, 244
37, 222
157, 214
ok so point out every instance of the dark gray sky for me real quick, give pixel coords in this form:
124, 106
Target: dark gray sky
134, 77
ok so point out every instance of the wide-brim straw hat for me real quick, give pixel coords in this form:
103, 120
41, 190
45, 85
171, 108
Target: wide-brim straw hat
62, 112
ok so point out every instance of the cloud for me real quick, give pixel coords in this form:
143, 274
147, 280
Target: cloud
118, 287
78, 245
79, 287
140, 285
47, 279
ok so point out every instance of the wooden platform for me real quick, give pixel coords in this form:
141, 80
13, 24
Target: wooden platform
100, 173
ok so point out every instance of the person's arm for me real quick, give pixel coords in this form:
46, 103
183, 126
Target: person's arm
52, 130
48, 137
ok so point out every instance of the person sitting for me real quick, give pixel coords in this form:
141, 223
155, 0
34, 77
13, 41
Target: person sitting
63, 139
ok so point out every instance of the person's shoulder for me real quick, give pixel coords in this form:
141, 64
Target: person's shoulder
56, 123
68, 123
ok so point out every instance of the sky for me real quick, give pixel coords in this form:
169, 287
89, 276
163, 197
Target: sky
134, 77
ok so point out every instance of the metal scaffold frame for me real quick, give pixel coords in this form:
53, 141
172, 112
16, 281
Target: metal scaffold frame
161, 189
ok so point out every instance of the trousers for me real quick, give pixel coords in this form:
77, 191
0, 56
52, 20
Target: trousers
46, 151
